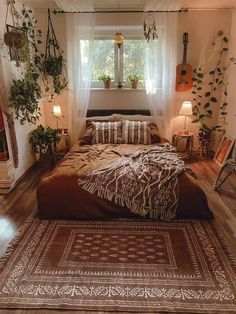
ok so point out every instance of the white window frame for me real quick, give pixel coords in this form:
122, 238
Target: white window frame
96, 84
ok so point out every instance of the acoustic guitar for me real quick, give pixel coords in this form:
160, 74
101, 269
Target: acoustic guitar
184, 71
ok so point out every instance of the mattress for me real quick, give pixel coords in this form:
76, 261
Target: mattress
60, 196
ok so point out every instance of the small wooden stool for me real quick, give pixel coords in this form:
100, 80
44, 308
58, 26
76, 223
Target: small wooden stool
228, 167
188, 137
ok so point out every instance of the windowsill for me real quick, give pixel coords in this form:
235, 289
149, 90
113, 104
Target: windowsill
116, 89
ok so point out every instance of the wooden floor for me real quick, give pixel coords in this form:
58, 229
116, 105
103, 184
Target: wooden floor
21, 202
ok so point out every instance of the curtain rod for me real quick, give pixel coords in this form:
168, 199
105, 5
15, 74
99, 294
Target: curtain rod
121, 11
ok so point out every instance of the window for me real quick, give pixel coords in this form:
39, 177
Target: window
133, 59
103, 58
106, 60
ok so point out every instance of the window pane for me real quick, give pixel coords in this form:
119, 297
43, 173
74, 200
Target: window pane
133, 59
103, 58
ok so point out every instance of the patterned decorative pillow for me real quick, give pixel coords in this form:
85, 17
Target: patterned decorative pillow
136, 132
106, 132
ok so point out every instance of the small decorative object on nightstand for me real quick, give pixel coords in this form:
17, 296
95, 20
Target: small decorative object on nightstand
188, 137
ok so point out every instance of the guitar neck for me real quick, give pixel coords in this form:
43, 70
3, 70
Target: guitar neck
185, 55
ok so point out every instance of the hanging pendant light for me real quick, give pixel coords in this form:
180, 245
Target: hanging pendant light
118, 38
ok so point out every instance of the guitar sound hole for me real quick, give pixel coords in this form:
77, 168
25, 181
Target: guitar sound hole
183, 72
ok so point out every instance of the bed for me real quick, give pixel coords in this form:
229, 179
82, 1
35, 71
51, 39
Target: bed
62, 196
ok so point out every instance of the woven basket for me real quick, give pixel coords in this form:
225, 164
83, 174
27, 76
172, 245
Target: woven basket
14, 39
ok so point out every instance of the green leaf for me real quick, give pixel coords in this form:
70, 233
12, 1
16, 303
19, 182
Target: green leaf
225, 49
225, 39
210, 112
207, 94
207, 104
212, 72
200, 75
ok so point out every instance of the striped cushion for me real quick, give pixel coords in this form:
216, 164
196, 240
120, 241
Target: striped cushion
136, 132
106, 132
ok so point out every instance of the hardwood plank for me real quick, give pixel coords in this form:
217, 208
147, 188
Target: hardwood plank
21, 202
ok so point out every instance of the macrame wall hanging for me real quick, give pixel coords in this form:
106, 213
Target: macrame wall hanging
149, 26
14, 36
54, 62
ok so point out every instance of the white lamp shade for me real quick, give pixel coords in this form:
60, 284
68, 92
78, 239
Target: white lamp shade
186, 108
56, 111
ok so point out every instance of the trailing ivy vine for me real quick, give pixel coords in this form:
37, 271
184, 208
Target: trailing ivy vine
210, 94
26, 92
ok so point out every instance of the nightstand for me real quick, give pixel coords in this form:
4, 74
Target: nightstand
184, 136
62, 148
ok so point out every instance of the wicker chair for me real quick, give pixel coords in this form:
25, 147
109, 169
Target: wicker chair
228, 167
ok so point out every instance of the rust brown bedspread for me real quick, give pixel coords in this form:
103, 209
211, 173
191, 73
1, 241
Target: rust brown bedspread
60, 197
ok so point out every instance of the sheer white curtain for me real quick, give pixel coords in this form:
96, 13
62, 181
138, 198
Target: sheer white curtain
160, 68
79, 38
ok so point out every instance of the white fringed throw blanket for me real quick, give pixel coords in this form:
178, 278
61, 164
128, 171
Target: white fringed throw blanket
146, 182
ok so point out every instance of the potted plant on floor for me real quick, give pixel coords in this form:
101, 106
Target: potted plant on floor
106, 80
134, 78
43, 139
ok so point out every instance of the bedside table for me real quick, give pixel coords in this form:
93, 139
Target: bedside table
62, 148
187, 137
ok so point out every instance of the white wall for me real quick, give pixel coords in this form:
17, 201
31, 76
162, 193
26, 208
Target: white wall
22, 132
231, 127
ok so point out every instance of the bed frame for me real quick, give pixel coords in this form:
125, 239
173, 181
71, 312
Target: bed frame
108, 112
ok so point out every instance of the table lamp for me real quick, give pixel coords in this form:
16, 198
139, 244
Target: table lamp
186, 110
56, 110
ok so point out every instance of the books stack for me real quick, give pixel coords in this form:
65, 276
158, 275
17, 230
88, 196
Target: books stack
7, 180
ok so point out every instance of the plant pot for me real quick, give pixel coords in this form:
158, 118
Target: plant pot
107, 84
53, 65
134, 84
3, 155
14, 39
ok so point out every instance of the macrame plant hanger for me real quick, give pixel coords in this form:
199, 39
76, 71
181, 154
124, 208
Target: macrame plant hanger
15, 39
53, 60
52, 45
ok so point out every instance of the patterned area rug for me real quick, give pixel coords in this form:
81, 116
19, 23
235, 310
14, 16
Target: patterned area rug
136, 266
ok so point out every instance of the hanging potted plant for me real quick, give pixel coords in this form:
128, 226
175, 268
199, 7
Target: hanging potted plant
26, 92
210, 95
106, 80
54, 61
14, 37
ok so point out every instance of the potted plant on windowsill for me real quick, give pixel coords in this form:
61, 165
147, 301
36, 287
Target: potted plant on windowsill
106, 80
134, 78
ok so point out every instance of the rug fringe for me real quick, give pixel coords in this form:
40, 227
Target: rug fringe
15, 241
219, 234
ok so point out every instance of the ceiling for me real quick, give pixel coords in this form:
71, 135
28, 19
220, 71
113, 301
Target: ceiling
106, 5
